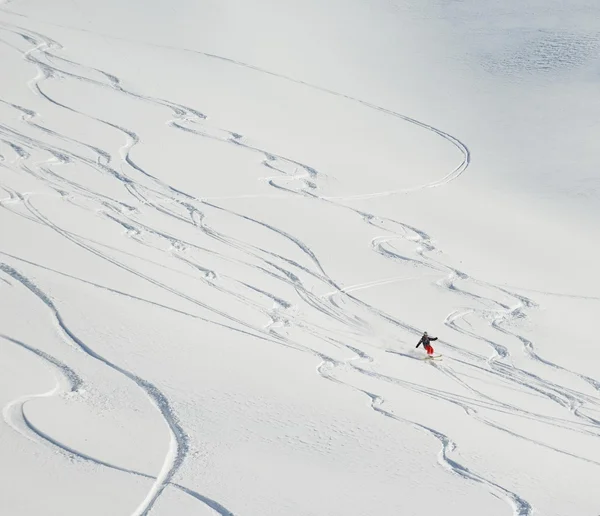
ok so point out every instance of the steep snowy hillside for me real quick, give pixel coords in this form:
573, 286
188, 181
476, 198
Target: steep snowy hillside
226, 225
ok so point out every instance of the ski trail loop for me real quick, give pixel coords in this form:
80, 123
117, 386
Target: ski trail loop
69, 382
178, 439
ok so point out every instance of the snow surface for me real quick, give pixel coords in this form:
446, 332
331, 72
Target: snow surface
225, 224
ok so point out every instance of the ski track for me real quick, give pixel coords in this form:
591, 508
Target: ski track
179, 440
68, 383
40, 152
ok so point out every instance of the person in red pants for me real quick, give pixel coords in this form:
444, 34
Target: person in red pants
426, 341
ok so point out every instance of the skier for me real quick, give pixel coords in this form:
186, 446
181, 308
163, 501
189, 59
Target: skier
425, 340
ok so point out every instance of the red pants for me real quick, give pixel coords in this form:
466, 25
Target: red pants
429, 349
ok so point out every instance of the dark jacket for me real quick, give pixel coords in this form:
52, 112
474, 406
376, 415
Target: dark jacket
425, 340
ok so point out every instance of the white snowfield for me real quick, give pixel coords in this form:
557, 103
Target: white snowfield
224, 226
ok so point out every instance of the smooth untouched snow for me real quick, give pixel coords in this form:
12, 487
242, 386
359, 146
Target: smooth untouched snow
226, 224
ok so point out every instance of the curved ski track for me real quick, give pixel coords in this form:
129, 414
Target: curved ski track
30, 137
69, 382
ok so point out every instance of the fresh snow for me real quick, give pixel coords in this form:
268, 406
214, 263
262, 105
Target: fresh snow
224, 226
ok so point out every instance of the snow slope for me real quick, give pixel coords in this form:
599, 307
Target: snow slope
225, 225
